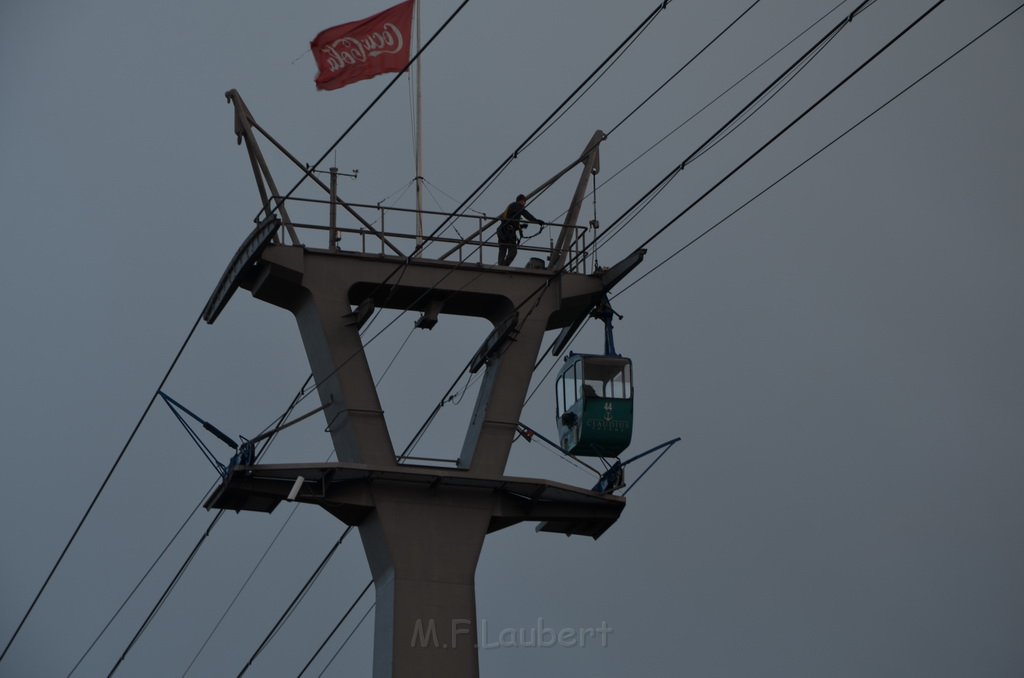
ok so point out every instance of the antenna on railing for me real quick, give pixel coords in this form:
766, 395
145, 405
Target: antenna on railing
334, 236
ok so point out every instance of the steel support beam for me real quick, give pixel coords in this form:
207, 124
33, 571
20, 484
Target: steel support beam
591, 166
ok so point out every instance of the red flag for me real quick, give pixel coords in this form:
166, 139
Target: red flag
362, 49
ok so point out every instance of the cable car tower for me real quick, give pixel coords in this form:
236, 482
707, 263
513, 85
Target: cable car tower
422, 527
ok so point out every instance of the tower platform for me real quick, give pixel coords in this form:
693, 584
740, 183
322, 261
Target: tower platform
347, 491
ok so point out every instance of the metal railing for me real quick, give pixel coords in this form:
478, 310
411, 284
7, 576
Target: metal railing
369, 233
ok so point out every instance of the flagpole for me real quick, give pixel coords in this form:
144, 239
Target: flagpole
419, 136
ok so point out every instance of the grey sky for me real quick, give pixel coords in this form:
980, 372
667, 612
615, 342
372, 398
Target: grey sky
842, 358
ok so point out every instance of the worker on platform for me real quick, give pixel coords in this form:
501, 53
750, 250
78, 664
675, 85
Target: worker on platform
510, 229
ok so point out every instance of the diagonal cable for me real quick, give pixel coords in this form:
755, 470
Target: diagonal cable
103, 486
818, 152
347, 638
170, 587
794, 122
675, 171
295, 601
336, 627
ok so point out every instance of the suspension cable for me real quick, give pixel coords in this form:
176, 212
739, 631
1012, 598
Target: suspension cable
295, 601
796, 120
710, 103
538, 130
139, 583
605, 67
347, 638
769, 94
336, 627
630, 40
167, 592
682, 68
864, 5
245, 583
395, 357
818, 152
265, 446
242, 588
103, 485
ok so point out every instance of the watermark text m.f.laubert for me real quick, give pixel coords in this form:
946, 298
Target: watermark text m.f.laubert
425, 635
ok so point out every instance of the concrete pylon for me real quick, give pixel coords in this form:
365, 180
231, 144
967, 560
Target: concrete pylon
422, 527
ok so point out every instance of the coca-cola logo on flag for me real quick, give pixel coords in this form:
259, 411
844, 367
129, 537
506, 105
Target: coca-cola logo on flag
363, 49
348, 50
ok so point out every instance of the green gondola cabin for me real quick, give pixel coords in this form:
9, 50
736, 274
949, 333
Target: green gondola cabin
594, 405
